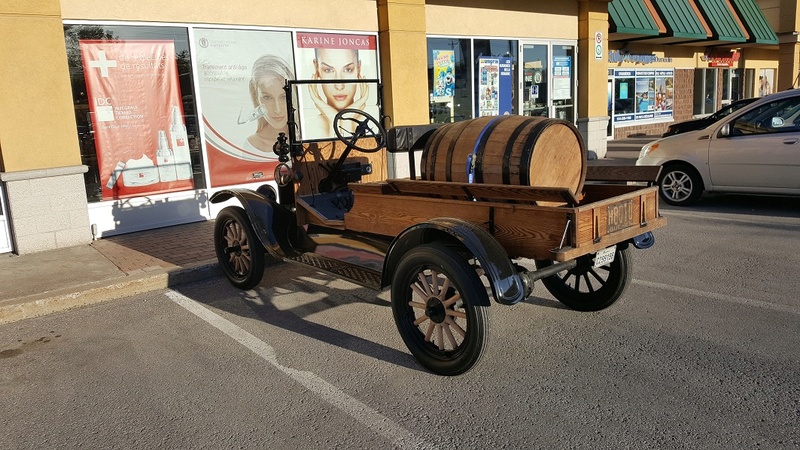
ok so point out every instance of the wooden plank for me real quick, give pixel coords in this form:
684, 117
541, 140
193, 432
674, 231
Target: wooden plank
488, 192
623, 173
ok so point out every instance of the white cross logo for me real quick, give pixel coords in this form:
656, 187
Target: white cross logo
103, 63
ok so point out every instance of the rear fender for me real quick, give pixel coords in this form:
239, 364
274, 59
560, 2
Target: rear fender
507, 286
271, 222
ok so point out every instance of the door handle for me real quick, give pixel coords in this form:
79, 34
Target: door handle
790, 141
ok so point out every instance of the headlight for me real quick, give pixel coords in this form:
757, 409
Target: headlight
648, 148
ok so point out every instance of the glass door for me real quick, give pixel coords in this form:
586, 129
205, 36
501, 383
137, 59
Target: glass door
535, 94
563, 91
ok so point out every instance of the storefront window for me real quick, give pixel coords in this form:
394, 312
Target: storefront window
564, 81
135, 109
643, 95
705, 91
766, 82
496, 72
449, 79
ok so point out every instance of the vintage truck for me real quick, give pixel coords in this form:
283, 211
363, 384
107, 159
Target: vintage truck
500, 203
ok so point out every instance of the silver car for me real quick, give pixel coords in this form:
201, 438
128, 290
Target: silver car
755, 150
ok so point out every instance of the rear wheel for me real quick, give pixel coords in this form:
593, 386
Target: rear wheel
589, 288
441, 309
239, 252
680, 185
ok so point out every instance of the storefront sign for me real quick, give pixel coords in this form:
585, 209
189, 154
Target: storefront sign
444, 74
137, 115
506, 85
598, 45
241, 74
721, 58
488, 86
615, 56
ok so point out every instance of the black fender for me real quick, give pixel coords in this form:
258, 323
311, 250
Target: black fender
273, 224
507, 286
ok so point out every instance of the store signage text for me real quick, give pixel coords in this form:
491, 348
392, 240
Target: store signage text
615, 56
721, 59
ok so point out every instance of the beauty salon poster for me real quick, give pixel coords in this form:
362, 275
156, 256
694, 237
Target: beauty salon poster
137, 115
325, 56
240, 79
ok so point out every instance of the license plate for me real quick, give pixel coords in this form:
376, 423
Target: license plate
605, 256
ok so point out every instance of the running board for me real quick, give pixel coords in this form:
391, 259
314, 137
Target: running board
351, 272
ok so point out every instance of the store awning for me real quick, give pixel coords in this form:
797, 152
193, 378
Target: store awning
725, 25
630, 19
755, 23
684, 22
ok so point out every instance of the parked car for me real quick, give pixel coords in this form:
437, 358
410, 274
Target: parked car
754, 150
702, 122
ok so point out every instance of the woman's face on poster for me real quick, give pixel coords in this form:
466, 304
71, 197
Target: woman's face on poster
272, 96
338, 64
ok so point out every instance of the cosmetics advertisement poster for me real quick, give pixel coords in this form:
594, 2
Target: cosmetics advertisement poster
241, 76
137, 115
325, 56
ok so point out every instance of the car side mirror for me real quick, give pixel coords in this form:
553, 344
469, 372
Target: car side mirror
725, 131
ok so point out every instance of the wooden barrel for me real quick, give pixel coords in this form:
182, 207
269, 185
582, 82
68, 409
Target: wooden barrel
520, 150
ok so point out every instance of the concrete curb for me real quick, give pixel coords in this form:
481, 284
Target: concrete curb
101, 291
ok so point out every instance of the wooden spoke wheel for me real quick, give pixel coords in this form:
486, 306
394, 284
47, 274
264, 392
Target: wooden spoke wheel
588, 288
239, 252
440, 307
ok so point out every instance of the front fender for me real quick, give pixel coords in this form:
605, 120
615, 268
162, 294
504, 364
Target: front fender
507, 286
272, 223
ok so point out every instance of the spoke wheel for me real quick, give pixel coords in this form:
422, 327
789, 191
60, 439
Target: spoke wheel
239, 252
680, 185
588, 288
441, 309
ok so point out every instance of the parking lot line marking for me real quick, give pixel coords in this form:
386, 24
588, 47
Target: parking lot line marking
372, 419
722, 297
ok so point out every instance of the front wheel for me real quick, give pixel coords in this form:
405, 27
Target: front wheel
589, 288
441, 309
239, 252
680, 185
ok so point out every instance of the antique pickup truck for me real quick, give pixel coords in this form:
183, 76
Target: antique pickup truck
494, 195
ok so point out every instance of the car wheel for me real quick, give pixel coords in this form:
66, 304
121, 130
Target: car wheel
239, 252
680, 184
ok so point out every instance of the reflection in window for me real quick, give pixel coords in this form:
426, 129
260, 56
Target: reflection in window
705, 91
775, 117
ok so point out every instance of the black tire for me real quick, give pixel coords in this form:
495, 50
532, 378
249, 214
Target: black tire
585, 288
680, 184
444, 324
239, 252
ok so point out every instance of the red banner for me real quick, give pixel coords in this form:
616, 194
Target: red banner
137, 115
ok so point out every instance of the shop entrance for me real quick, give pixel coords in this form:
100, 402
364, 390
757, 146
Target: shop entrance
5, 232
548, 79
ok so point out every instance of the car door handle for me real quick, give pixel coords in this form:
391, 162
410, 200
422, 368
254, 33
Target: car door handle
791, 141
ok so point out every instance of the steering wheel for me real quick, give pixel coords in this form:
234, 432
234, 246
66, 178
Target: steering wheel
368, 127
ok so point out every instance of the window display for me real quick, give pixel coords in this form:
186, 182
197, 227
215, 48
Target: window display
643, 95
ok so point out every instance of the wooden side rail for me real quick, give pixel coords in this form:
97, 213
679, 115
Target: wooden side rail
647, 174
469, 191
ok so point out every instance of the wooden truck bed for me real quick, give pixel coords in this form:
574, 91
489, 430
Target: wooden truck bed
510, 213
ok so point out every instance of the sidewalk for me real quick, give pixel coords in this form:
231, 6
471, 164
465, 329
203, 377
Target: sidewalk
109, 268
120, 266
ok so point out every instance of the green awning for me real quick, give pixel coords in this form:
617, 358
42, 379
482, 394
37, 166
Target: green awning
724, 25
631, 17
681, 19
755, 22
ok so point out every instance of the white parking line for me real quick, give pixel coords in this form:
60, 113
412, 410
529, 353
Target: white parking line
372, 419
722, 297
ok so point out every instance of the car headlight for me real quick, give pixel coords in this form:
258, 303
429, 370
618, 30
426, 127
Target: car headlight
648, 148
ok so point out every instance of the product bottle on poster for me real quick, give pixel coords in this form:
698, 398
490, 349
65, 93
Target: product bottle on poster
180, 146
165, 160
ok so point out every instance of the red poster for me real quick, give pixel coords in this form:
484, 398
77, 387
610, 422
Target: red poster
137, 115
